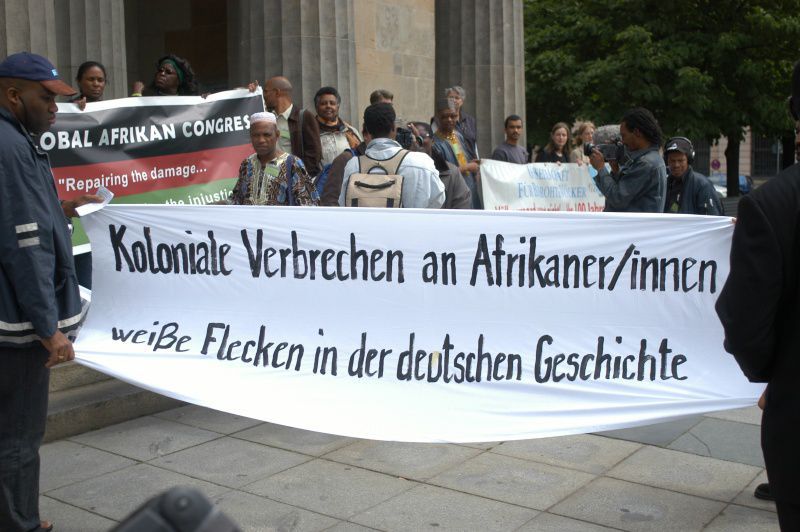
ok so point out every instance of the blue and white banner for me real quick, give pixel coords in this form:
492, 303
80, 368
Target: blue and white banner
412, 325
539, 187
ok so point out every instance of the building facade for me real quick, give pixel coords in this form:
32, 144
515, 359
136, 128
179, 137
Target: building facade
414, 48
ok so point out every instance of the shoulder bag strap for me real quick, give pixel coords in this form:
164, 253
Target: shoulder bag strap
389, 165
300, 121
289, 179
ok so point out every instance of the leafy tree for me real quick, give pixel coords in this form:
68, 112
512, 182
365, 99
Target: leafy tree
705, 68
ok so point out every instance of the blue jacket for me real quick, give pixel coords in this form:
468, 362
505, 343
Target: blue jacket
38, 286
640, 186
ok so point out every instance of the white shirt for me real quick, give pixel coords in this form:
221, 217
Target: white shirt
285, 139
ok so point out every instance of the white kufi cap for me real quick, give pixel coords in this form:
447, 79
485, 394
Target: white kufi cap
263, 117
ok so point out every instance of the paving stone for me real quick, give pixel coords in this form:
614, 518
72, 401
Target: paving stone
742, 519
298, 440
584, 452
346, 526
661, 434
751, 415
206, 418
117, 494
418, 461
727, 440
330, 488
230, 462
746, 497
67, 518
512, 480
254, 513
426, 507
64, 462
685, 473
635, 507
145, 438
481, 445
545, 522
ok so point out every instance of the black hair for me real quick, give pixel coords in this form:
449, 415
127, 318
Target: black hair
643, 120
511, 118
327, 90
379, 119
187, 87
86, 66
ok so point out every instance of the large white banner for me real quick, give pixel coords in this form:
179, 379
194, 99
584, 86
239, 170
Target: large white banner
539, 187
415, 325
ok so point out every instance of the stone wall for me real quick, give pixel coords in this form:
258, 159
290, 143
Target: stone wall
68, 33
480, 46
395, 50
311, 42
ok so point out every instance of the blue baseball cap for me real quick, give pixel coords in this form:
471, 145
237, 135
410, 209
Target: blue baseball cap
33, 67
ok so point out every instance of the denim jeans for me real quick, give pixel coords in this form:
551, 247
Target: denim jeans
23, 412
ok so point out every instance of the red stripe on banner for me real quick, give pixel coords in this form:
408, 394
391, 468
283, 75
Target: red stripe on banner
136, 176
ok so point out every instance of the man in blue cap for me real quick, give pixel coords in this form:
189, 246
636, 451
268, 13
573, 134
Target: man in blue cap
40, 306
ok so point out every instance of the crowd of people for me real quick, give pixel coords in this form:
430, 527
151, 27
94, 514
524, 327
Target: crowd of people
313, 157
324, 143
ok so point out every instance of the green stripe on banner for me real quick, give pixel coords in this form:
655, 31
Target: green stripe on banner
201, 194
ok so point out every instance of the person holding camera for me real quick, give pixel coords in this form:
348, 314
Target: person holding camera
640, 183
688, 192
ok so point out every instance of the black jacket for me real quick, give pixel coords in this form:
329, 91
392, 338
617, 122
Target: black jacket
38, 285
759, 307
698, 196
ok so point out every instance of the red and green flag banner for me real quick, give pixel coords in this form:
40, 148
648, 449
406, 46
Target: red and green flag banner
182, 150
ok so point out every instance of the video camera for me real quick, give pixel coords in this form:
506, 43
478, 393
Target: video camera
180, 509
608, 141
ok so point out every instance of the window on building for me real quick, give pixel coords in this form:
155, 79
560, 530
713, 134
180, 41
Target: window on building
766, 156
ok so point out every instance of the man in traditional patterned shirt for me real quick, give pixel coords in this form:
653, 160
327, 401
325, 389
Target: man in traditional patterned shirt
263, 175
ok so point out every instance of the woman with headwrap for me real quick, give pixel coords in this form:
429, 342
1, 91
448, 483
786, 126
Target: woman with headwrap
174, 77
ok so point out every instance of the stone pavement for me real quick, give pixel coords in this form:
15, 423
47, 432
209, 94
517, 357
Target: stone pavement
693, 474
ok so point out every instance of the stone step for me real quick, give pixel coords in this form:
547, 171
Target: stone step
99, 404
73, 375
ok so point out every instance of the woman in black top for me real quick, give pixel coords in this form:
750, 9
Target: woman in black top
557, 150
91, 80
174, 77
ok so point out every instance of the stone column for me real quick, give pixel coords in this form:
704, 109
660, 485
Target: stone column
311, 42
28, 26
69, 32
480, 46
